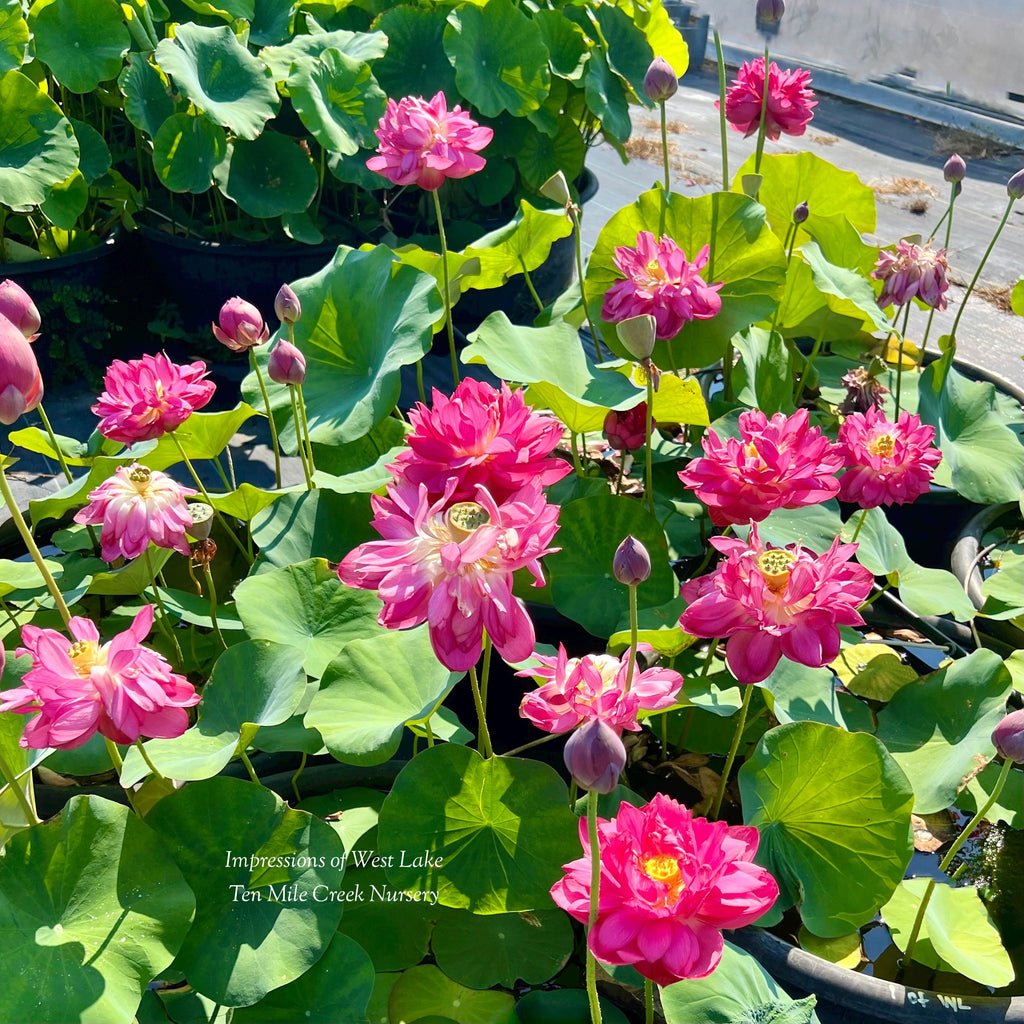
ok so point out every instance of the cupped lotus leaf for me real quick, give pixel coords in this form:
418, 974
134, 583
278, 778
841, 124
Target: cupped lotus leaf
94, 154
92, 903
425, 993
1009, 806
496, 831
628, 51
567, 45
799, 693
540, 156
147, 95
500, 60
268, 176
745, 256
219, 75
847, 293
415, 64
229, 10
251, 911
607, 97
359, 46
663, 36
38, 148
66, 201
14, 35
245, 501
872, 670
82, 42
833, 809
186, 149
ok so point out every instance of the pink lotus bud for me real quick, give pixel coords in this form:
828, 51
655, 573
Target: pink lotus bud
286, 365
770, 12
595, 756
241, 326
21, 385
627, 431
660, 82
287, 306
631, 564
1015, 186
955, 168
801, 212
1009, 737
638, 335
18, 307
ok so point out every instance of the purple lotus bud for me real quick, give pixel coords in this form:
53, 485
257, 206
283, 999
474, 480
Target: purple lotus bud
18, 307
955, 168
595, 756
631, 564
660, 82
770, 12
287, 307
241, 326
638, 335
286, 365
1009, 737
1015, 186
801, 212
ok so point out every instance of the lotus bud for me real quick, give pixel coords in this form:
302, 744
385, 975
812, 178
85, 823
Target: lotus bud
661, 82
241, 326
638, 335
286, 365
627, 431
1009, 737
955, 169
1015, 186
801, 212
202, 520
287, 307
21, 384
556, 188
770, 12
595, 756
18, 307
631, 564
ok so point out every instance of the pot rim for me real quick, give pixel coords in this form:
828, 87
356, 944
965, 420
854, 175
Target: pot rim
49, 265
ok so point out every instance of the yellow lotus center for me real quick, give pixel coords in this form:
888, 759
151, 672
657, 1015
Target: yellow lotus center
752, 452
882, 446
665, 869
84, 654
139, 475
656, 271
774, 567
466, 516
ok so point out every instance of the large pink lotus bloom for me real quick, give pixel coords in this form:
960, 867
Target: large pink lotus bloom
240, 325
423, 143
451, 565
791, 101
888, 463
120, 689
147, 397
17, 305
21, 384
135, 506
661, 283
772, 602
581, 689
912, 271
480, 436
669, 884
778, 463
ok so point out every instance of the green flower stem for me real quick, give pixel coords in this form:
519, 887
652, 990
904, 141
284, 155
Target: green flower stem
860, 523
736, 737
305, 429
648, 1001
633, 631
419, 382
648, 469
484, 740
115, 759
577, 236
213, 606
721, 111
666, 170
818, 342
595, 886
577, 465
249, 768
485, 675
32, 547
430, 732
899, 359
270, 417
163, 620
529, 286
53, 440
709, 660
948, 217
533, 743
447, 296
12, 782
149, 764
295, 777
298, 435
788, 245
759, 152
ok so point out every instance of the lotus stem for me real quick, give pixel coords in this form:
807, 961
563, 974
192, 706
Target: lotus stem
301, 443
305, 429
12, 783
149, 764
899, 359
595, 894
648, 1001
447, 296
529, 286
594, 329
270, 418
633, 636
860, 523
213, 605
666, 170
163, 619
419, 382
295, 777
716, 807
759, 152
484, 739
721, 110
53, 440
948, 217
249, 768
648, 469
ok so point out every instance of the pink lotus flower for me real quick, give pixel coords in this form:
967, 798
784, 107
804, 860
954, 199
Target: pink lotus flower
889, 463
791, 101
669, 884
17, 305
21, 384
912, 271
240, 326
660, 282
138, 505
120, 689
772, 602
286, 365
480, 436
627, 431
451, 565
776, 463
145, 398
423, 143
581, 689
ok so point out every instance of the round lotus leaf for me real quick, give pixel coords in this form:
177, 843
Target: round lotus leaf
268, 177
82, 42
186, 149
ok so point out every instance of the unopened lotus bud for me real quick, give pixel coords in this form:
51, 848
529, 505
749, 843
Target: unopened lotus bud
627, 431
287, 307
202, 520
770, 12
286, 365
955, 168
1009, 737
1015, 186
595, 756
801, 212
661, 82
631, 564
556, 188
638, 335
18, 307
21, 385
240, 325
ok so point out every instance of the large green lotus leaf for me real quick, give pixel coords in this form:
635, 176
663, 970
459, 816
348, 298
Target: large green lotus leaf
983, 454
424, 993
14, 35
268, 176
253, 683
797, 693
94, 154
419, 31
147, 96
582, 584
789, 179
360, 46
738, 991
663, 36
1009, 806
607, 97
273, 937
957, 930
204, 435
497, 830
815, 527
66, 201
763, 378
629, 53
186, 149
540, 156
82, 42
500, 60
229, 10
219, 75
38, 148
498, 949
564, 1006
360, 465
847, 293
1003, 589
745, 255
833, 809
337, 987
245, 501
372, 688
91, 910
872, 670
567, 45
307, 606
939, 729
